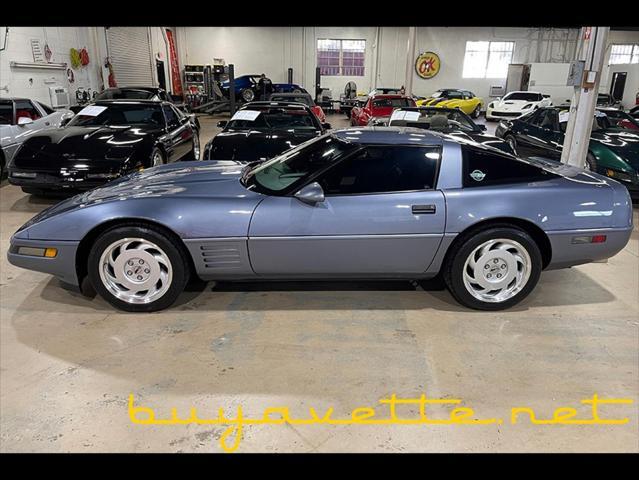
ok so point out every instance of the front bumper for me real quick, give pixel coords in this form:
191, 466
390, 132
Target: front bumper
492, 114
59, 181
62, 265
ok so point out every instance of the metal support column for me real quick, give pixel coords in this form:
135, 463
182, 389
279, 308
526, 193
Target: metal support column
410, 60
584, 99
232, 88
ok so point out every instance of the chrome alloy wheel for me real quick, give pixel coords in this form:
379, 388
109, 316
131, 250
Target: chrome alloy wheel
135, 270
157, 159
497, 270
196, 145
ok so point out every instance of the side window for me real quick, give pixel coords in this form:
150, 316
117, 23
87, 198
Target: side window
484, 168
24, 108
171, 116
384, 169
47, 109
540, 119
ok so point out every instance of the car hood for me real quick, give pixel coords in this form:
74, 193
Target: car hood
625, 143
444, 102
197, 179
252, 145
54, 148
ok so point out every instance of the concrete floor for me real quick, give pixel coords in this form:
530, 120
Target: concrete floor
69, 363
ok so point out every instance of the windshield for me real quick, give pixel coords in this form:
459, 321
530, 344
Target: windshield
525, 96
121, 114
447, 94
275, 119
434, 119
6, 113
128, 94
619, 119
289, 98
391, 103
293, 166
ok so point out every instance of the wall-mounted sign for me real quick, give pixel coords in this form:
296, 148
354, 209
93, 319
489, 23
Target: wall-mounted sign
427, 65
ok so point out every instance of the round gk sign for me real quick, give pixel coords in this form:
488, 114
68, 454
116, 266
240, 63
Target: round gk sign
427, 65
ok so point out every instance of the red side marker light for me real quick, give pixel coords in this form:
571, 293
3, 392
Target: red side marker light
598, 238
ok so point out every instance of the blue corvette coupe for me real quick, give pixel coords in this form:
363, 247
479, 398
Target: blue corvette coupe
246, 88
379, 202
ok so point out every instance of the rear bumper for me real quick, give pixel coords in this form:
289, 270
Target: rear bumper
565, 253
62, 265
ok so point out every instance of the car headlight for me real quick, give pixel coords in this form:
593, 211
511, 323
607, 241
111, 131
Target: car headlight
526, 107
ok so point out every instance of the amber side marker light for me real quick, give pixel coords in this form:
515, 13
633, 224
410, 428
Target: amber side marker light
589, 239
38, 252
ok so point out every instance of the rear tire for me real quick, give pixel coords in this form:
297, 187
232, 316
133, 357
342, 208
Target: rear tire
512, 141
138, 268
493, 269
194, 154
157, 157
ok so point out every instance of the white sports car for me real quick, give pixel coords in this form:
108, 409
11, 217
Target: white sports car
515, 104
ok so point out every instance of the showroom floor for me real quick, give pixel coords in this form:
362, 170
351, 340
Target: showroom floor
69, 363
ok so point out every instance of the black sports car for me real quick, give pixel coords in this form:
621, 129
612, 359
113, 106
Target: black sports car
106, 140
613, 149
451, 121
261, 130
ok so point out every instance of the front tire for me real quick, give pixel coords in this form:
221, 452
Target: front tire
138, 268
477, 112
194, 154
493, 269
591, 162
247, 95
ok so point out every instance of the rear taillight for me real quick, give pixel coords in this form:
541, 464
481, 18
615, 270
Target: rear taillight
589, 239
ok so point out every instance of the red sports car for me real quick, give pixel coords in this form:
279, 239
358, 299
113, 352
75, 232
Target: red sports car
379, 107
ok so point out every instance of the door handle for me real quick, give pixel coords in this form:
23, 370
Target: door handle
423, 209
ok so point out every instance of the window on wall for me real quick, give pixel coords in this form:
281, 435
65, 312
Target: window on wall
487, 59
624, 54
341, 57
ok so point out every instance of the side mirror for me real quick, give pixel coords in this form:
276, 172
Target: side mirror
311, 194
482, 127
326, 126
24, 120
222, 123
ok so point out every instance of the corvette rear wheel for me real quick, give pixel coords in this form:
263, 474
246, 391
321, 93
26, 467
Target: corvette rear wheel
157, 157
138, 268
493, 269
510, 140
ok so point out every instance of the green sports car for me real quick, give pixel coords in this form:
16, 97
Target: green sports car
613, 149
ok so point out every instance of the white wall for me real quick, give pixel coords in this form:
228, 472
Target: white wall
34, 83
550, 78
273, 49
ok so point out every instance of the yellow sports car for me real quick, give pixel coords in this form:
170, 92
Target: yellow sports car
465, 100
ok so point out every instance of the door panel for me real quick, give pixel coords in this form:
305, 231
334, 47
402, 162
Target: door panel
378, 234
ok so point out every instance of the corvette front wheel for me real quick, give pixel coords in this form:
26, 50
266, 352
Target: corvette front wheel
138, 268
477, 112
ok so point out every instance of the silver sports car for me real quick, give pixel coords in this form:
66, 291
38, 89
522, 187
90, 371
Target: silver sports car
362, 203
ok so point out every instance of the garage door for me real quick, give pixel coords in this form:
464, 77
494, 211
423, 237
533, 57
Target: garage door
130, 54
